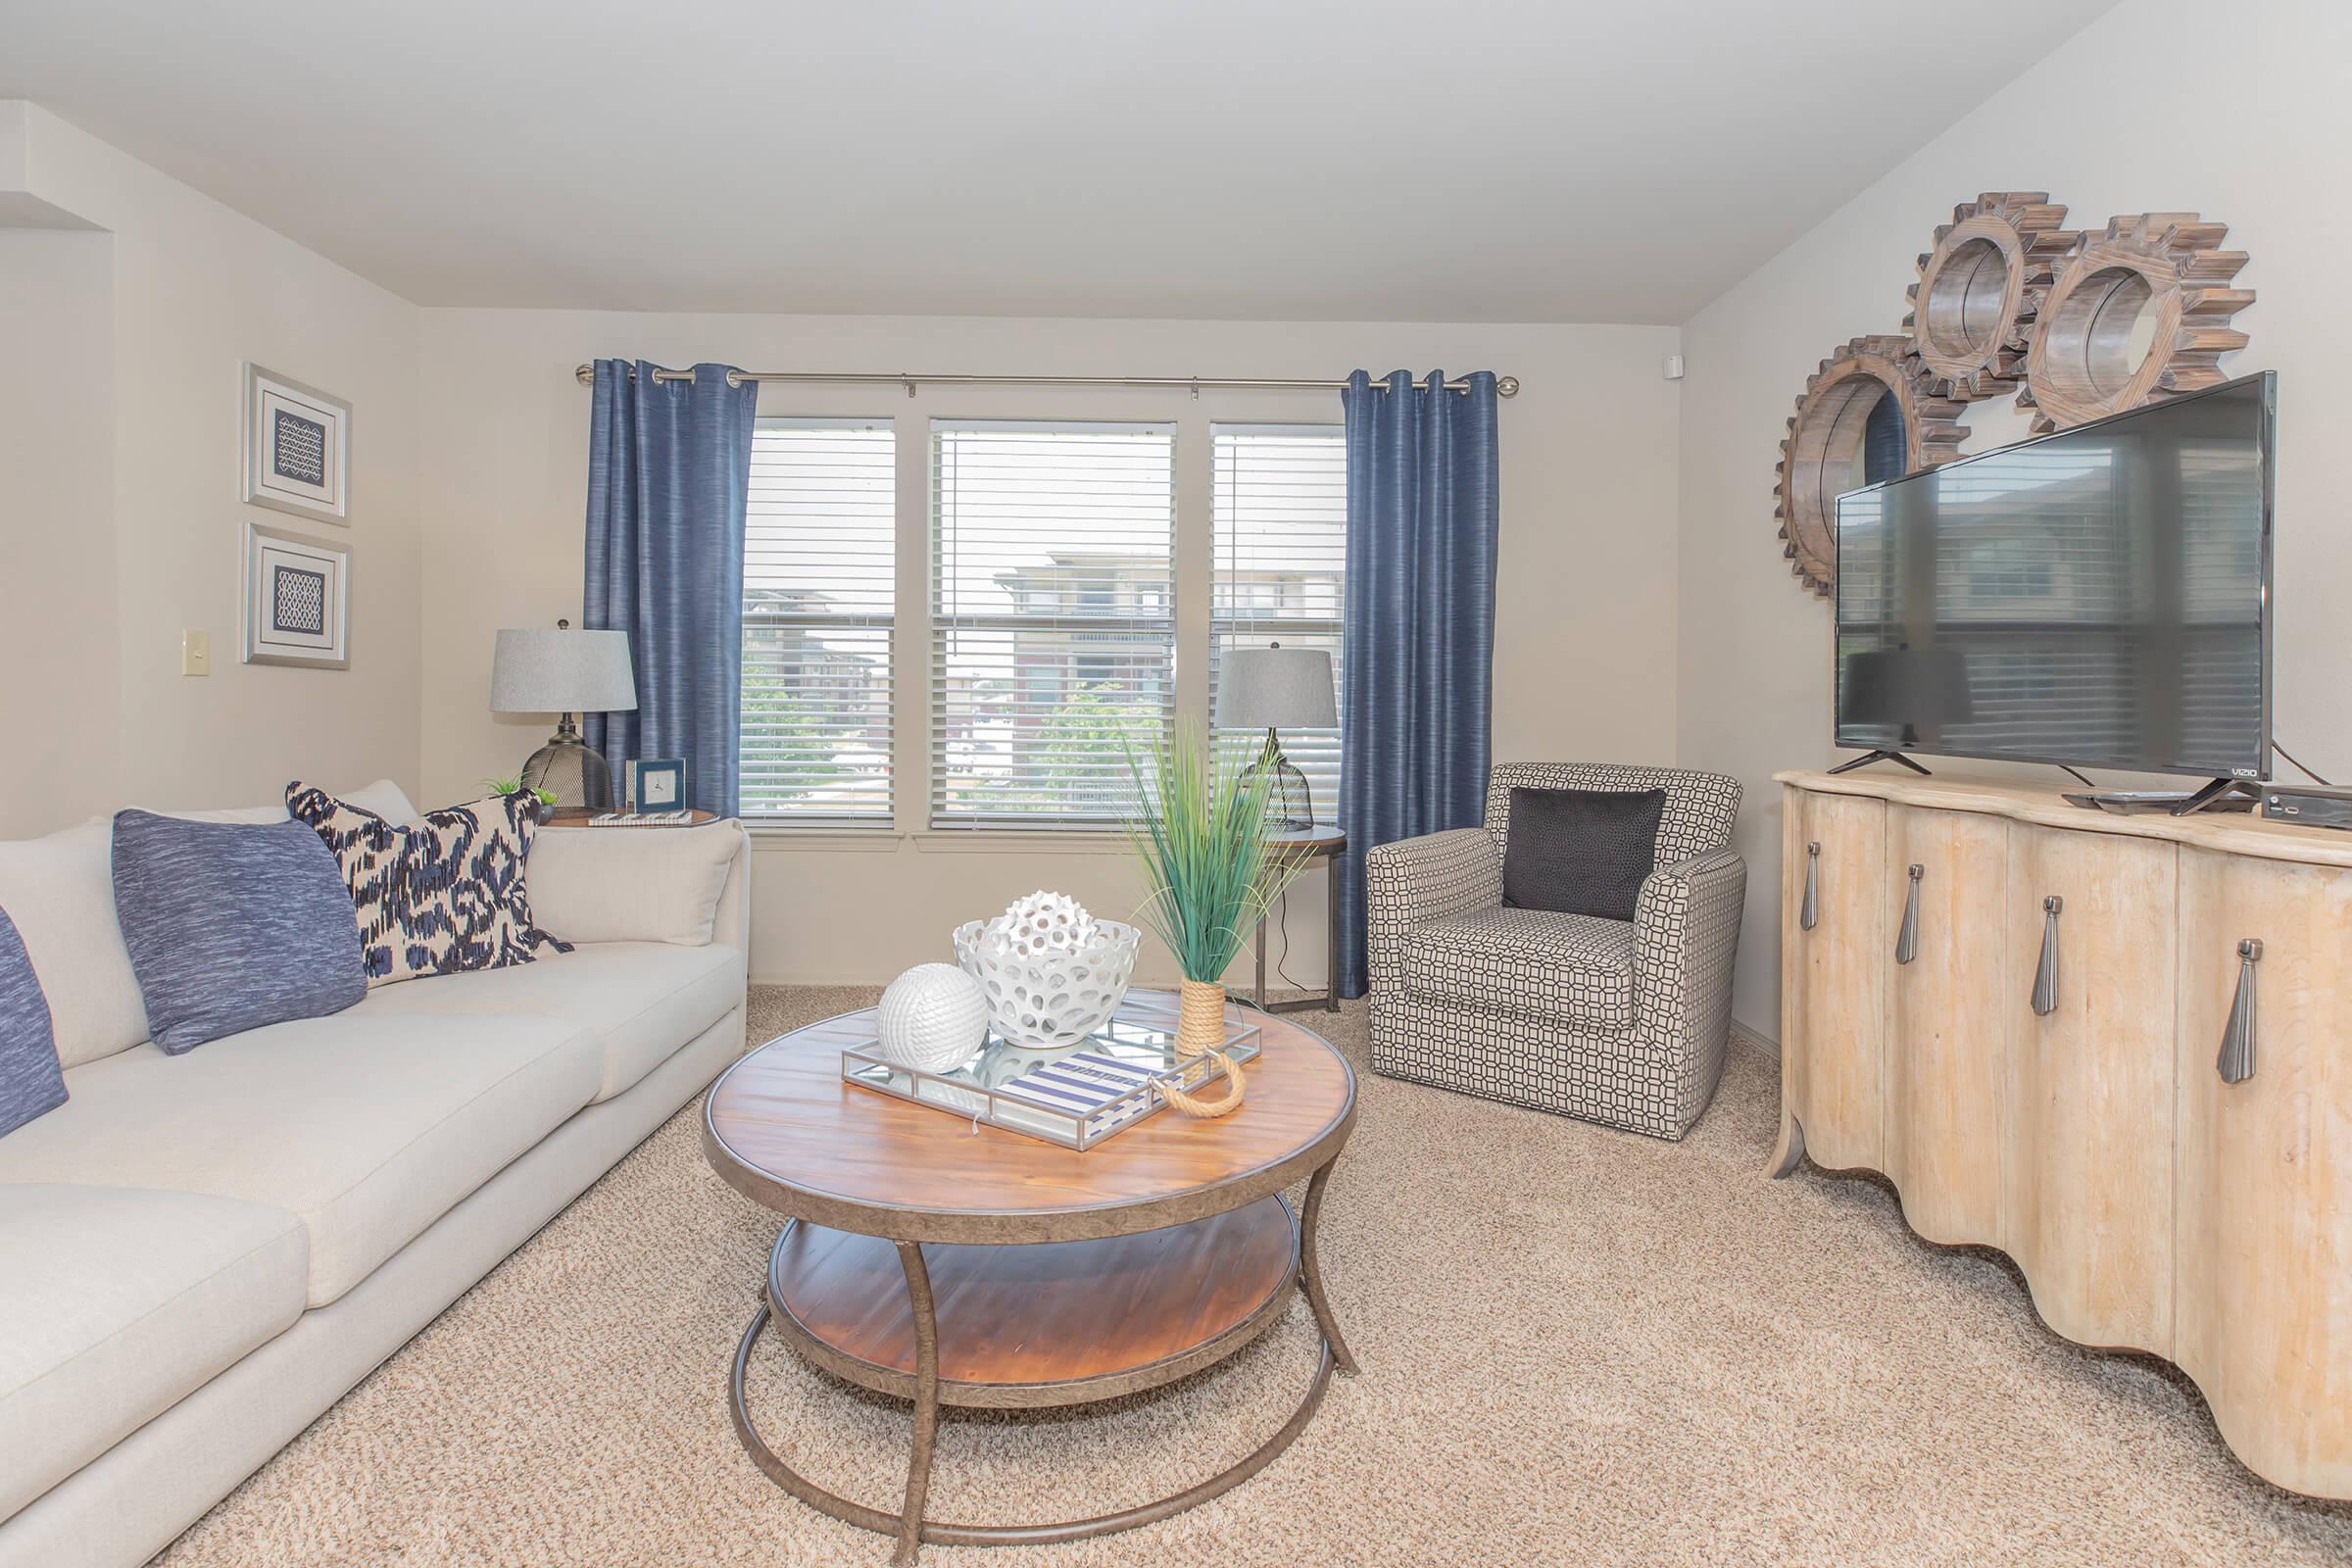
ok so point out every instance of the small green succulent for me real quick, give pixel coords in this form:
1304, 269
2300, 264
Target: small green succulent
510, 786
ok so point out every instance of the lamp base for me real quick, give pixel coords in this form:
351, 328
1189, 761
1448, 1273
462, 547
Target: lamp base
575, 770
1290, 807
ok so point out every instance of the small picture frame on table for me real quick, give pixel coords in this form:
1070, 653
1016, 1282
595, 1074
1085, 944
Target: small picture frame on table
297, 442
651, 786
297, 600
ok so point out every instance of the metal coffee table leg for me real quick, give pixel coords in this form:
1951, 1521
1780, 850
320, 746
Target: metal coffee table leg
1310, 1270
926, 1400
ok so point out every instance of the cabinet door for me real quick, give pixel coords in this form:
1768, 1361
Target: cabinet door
2263, 1316
1946, 1019
2088, 1183
1833, 998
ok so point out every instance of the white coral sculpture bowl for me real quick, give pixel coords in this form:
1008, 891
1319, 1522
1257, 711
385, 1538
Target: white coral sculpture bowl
1051, 973
932, 1017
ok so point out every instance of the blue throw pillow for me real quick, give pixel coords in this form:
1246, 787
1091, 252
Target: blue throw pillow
30, 1081
233, 925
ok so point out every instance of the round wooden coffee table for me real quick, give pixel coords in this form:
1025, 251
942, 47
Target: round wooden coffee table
1066, 1277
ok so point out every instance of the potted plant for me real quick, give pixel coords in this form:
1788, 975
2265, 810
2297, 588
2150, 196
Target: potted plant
1198, 831
542, 800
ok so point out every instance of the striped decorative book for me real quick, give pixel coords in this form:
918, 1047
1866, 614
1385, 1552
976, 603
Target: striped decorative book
1084, 1081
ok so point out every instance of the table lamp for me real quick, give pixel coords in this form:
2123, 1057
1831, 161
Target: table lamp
1269, 688
566, 673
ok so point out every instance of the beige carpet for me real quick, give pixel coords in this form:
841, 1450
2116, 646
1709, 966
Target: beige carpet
1578, 1346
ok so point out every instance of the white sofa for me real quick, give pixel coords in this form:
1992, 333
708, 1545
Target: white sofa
201, 1253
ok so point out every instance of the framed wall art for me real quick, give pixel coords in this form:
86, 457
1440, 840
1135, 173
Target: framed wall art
297, 448
297, 600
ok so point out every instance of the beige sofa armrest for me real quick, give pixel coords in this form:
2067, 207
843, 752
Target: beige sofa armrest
733, 926
1414, 881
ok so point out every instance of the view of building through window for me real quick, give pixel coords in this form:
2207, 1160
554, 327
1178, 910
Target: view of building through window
1053, 630
1052, 639
818, 559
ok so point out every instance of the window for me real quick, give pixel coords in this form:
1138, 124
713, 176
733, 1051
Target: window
1052, 637
1281, 503
818, 556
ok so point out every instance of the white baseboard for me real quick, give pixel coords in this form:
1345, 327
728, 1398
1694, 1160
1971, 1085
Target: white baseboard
1744, 1032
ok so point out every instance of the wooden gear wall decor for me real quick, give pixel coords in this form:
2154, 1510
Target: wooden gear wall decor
1822, 454
1980, 288
2083, 325
2084, 363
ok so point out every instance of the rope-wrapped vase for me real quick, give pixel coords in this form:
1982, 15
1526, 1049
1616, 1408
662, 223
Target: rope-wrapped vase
1200, 1032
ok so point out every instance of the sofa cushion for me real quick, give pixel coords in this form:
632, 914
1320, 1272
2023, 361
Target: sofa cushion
644, 1000
1577, 967
60, 891
138, 1298
233, 925
367, 1128
442, 895
600, 884
32, 1084
384, 798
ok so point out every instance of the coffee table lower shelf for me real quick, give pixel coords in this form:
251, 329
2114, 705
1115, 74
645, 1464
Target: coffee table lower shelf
1034, 1325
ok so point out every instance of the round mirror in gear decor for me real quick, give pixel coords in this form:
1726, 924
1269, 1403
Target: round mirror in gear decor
1871, 393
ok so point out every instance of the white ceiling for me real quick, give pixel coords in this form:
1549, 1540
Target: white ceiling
1334, 160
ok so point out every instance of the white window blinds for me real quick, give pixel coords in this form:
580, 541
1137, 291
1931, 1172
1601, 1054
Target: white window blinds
817, 564
1280, 500
1053, 630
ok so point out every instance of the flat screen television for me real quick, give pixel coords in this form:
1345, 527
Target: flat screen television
2097, 597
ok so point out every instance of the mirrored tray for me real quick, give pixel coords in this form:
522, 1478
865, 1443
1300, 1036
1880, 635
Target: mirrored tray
1075, 1096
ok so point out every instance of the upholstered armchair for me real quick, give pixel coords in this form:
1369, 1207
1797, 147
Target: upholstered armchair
1612, 1021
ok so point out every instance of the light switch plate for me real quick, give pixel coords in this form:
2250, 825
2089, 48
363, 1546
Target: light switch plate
195, 653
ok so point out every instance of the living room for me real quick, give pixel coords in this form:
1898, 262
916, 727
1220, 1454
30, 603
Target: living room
1316, 557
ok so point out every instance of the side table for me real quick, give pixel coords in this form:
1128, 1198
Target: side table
1312, 844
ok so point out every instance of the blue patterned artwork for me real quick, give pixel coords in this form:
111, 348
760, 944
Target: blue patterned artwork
297, 442
298, 450
298, 601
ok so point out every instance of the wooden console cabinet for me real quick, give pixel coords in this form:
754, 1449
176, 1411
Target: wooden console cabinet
2016, 1009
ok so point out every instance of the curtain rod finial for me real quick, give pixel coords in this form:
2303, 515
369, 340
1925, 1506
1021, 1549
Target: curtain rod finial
1507, 386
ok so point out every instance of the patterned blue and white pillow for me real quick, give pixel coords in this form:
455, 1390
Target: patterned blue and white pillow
30, 1081
439, 895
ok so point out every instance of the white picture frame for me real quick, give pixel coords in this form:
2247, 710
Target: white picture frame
296, 445
297, 600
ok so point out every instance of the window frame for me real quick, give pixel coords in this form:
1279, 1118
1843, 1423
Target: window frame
1165, 624
1229, 624
873, 824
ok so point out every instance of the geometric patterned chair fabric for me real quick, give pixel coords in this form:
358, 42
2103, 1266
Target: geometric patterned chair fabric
1614, 1021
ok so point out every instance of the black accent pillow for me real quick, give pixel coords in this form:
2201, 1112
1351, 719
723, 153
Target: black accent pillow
1581, 851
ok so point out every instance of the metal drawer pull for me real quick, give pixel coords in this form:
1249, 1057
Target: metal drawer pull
2236, 1063
1810, 916
2045, 978
1906, 943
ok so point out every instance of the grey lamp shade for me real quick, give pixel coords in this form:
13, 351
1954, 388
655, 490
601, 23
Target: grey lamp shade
539, 670
1276, 688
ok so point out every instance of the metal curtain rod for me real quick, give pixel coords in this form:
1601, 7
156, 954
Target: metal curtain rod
1504, 385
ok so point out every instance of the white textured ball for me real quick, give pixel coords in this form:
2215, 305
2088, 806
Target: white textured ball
934, 1016
1053, 974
